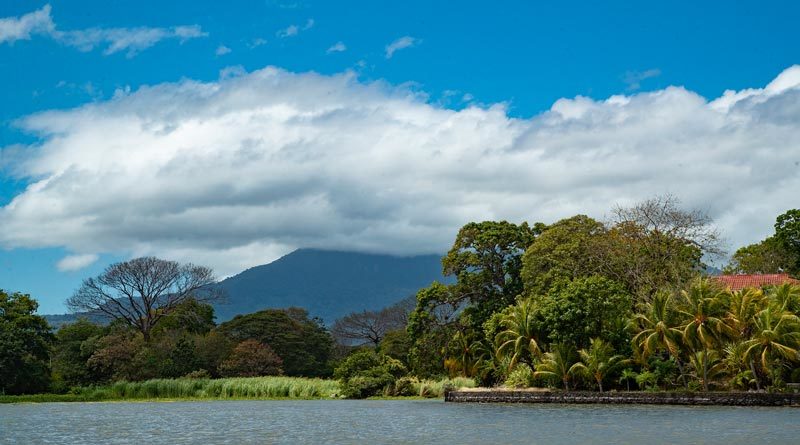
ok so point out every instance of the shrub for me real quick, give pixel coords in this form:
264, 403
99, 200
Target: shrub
251, 358
366, 373
520, 377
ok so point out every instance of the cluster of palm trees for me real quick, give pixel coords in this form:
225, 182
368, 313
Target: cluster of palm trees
711, 337
722, 338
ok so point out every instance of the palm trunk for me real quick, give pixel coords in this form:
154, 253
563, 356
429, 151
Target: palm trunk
755, 375
600, 384
705, 369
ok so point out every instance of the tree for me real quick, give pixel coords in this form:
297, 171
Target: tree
371, 326
190, 316
25, 340
655, 244
657, 328
787, 231
486, 260
303, 343
366, 373
564, 250
251, 358
521, 334
766, 257
585, 308
70, 353
775, 339
142, 291
598, 362
557, 364
703, 311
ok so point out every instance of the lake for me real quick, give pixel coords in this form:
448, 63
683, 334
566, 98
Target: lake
390, 421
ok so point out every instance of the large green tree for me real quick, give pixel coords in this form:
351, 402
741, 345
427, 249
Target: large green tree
591, 307
765, 257
25, 340
485, 260
71, 351
564, 250
787, 230
303, 343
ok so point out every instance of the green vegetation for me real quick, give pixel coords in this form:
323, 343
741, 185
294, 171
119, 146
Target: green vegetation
620, 304
259, 388
578, 304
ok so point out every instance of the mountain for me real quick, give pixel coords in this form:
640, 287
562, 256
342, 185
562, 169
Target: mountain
329, 284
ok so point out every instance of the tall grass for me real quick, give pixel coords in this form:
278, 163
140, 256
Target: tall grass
229, 388
436, 388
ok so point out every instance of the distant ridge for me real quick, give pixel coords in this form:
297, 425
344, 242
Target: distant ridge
329, 284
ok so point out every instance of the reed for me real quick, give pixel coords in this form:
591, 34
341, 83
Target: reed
436, 388
229, 388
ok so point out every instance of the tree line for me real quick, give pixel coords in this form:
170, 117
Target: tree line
579, 303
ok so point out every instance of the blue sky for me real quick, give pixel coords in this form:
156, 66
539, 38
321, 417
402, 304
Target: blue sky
523, 55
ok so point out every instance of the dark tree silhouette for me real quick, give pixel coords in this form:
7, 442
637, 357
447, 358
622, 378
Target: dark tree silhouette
141, 291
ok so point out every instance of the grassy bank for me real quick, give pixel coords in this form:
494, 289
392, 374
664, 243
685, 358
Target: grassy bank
257, 388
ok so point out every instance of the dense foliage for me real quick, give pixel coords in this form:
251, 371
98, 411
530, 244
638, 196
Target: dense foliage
612, 304
25, 339
579, 304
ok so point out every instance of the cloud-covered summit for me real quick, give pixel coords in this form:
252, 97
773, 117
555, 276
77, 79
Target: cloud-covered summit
235, 172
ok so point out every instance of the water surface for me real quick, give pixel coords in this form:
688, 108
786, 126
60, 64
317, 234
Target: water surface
390, 421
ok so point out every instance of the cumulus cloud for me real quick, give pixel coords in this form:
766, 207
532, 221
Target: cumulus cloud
401, 43
72, 263
235, 172
222, 50
113, 40
338, 47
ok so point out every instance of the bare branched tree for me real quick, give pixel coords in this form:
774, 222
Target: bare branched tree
141, 291
664, 215
371, 326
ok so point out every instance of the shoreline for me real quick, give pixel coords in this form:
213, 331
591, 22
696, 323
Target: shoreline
488, 395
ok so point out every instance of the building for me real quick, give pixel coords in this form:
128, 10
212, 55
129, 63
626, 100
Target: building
739, 282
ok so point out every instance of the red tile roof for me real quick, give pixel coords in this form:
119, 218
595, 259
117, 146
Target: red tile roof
739, 282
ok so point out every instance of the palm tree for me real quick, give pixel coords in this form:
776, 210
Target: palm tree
707, 366
740, 316
626, 376
557, 364
739, 366
703, 310
467, 354
520, 337
776, 337
656, 326
786, 297
598, 361
742, 307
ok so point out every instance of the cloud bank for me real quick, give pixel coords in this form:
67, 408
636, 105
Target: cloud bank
113, 40
236, 172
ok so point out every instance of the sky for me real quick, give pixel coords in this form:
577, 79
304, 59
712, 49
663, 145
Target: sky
230, 133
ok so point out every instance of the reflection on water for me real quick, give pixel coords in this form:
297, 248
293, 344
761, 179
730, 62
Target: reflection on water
393, 421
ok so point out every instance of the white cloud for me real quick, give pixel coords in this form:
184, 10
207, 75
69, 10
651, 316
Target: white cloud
293, 30
113, 40
21, 28
72, 263
235, 172
401, 43
634, 78
222, 50
255, 43
338, 47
